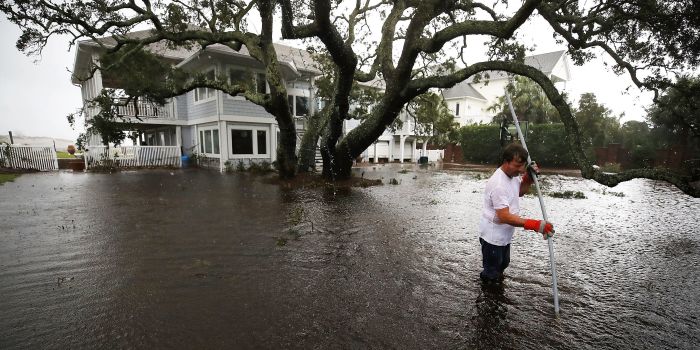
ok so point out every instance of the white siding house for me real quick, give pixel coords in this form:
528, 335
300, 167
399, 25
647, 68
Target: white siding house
215, 125
469, 100
223, 128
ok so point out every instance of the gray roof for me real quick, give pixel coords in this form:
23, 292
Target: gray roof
160, 48
545, 62
463, 89
301, 59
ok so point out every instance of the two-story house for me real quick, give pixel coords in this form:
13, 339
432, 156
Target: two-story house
469, 100
213, 124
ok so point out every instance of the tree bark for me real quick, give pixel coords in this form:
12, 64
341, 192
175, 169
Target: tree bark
309, 142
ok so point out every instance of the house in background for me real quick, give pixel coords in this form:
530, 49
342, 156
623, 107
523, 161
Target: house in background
469, 100
224, 129
218, 127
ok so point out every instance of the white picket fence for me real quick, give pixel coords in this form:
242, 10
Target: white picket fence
28, 157
133, 156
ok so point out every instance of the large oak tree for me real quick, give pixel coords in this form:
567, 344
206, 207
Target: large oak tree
646, 39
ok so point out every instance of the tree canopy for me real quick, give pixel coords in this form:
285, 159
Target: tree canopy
648, 40
679, 110
529, 103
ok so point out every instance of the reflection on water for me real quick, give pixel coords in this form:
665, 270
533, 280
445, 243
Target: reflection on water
202, 260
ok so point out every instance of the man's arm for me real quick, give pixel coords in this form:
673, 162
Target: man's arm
506, 217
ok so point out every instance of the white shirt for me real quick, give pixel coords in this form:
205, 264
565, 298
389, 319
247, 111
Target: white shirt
501, 191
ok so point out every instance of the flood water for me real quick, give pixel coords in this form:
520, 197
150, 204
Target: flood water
198, 259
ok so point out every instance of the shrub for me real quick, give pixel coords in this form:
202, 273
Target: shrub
480, 143
547, 144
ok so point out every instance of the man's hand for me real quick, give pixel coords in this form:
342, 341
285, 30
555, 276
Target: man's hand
533, 167
541, 226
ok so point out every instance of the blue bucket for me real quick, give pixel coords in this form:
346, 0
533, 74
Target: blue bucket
185, 159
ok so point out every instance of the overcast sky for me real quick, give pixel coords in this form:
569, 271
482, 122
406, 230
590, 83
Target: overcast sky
35, 98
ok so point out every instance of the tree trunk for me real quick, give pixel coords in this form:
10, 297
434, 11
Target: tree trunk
286, 155
309, 142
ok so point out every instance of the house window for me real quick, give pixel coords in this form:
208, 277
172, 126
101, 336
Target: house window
262, 141
457, 109
205, 94
302, 106
209, 141
298, 105
249, 142
237, 76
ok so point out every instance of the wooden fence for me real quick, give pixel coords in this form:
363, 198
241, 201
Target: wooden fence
133, 156
28, 157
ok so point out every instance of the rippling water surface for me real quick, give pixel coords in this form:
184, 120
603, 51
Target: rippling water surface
196, 259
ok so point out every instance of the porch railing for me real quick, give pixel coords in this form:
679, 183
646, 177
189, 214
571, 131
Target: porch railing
133, 156
145, 109
28, 157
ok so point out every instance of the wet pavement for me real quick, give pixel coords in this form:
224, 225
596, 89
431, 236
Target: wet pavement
198, 259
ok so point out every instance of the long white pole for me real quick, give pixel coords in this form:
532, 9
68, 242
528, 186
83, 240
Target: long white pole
552, 263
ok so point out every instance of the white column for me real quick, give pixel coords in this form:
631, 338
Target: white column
178, 135
425, 148
273, 142
391, 148
223, 145
402, 142
376, 155
413, 151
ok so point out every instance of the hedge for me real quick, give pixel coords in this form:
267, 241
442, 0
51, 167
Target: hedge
546, 143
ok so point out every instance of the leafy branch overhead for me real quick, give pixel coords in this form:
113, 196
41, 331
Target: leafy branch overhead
397, 43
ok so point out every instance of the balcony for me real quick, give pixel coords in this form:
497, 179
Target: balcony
146, 109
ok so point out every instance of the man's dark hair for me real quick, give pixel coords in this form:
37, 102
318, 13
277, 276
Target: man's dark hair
512, 151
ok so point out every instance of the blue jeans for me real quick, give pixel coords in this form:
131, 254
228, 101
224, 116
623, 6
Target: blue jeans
495, 260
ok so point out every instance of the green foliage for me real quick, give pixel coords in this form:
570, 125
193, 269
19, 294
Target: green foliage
546, 143
7, 178
568, 195
138, 72
228, 166
62, 154
611, 167
597, 124
678, 112
638, 140
260, 168
480, 143
432, 117
4, 154
529, 102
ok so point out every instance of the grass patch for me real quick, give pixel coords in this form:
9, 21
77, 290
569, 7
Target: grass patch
7, 178
62, 154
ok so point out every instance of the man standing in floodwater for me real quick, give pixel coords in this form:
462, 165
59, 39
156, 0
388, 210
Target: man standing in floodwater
500, 215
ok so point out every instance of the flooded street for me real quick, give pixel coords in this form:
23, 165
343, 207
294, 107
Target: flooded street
198, 259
